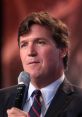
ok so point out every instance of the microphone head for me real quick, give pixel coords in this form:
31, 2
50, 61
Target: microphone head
24, 78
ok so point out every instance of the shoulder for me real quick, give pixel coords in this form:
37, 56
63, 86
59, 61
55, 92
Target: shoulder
72, 97
77, 92
8, 90
74, 92
71, 89
7, 97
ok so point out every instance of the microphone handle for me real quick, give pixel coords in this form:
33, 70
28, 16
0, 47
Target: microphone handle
19, 96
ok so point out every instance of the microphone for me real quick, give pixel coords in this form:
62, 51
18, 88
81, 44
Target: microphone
23, 81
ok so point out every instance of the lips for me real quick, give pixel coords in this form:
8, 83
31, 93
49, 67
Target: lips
33, 62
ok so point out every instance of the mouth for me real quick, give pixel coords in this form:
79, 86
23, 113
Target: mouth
33, 62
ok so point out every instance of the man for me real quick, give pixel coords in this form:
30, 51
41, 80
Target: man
43, 42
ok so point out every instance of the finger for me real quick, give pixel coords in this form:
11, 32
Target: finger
13, 109
16, 112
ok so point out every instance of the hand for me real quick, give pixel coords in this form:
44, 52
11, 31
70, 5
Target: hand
15, 112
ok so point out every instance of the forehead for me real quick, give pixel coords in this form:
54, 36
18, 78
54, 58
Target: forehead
37, 31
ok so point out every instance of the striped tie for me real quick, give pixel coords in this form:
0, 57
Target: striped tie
35, 110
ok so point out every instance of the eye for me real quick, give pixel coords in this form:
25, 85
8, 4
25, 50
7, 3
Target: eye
23, 45
42, 42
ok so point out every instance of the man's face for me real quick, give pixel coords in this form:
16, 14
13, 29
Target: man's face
39, 55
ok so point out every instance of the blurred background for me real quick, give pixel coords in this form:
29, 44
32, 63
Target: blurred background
13, 11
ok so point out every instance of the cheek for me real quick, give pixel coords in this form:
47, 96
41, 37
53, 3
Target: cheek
51, 58
47, 57
51, 54
22, 56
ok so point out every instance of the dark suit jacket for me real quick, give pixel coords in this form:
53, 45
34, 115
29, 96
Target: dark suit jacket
66, 103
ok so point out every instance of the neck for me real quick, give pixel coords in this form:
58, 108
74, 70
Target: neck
45, 81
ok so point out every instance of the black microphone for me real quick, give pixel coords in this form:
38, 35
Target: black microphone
23, 81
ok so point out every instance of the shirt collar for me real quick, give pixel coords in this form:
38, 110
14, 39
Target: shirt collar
49, 91
30, 90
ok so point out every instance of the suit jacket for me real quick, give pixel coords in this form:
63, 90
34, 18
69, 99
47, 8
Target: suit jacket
66, 103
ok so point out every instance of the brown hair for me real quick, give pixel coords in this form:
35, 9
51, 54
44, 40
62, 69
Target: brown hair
58, 29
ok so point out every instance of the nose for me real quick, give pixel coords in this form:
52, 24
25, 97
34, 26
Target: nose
32, 50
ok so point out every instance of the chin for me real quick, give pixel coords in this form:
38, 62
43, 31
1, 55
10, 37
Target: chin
34, 72
34, 75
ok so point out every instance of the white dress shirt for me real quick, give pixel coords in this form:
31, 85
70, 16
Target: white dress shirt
48, 93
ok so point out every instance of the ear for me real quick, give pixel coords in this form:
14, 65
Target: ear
63, 52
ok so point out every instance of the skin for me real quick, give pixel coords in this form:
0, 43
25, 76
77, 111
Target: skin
14, 112
40, 58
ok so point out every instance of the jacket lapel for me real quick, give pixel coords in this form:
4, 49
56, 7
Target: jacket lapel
61, 99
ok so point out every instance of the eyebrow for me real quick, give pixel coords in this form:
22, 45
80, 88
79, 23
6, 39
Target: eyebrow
38, 38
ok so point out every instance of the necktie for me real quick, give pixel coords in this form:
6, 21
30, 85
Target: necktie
35, 110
